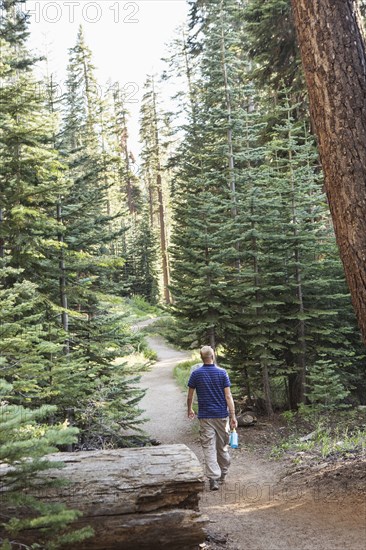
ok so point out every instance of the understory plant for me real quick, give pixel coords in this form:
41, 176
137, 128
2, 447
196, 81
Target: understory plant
26, 438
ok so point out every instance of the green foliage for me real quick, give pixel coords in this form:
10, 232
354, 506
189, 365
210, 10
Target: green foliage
32, 175
288, 416
60, 334
137, 309
95, 384
150, 354
141, 266
326, 393
167, 327
183, 370
24, 442
143, 307
92, 178
110, 413
154, 128
271, 37
24, 342
255, 264
328, 440
203, 250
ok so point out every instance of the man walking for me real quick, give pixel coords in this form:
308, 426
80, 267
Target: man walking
216, 412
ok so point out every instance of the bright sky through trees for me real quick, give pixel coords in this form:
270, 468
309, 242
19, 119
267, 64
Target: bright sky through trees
127, 39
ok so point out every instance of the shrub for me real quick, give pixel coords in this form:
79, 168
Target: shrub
24, 442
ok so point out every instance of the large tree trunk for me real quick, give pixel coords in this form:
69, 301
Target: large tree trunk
333, 55
133, 498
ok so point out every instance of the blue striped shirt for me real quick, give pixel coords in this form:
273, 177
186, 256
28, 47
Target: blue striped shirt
209, 382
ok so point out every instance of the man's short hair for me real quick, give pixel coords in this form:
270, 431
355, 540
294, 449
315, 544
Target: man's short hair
207, 351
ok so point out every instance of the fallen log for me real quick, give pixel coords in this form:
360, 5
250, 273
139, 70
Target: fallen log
141, 498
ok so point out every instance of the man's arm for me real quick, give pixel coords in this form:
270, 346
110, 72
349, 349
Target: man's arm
189, 403
231, 407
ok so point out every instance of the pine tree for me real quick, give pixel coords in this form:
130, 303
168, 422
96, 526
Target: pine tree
271, 39
31, 180
81, 142
24, 441
255, 264
326, 392
59, 345
318, 295
253, 335
205, 185
152, 174
143, 260
92, 219
124, 190
128, 181
31, 171
289, 254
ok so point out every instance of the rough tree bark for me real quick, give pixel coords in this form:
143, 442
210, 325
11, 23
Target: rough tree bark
332, 48
141, 498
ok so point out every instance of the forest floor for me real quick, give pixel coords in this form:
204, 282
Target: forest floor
265, 504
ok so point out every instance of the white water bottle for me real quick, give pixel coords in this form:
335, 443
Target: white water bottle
234, 440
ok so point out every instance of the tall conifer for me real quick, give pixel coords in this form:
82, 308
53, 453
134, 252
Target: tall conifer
152, 170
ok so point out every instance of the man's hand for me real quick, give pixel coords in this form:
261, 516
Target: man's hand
231, 407
190, 410
233, 422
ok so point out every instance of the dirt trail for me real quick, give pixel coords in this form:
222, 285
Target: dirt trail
164, 401
254, 510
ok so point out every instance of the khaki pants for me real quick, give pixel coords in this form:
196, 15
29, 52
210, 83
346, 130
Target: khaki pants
214, 437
